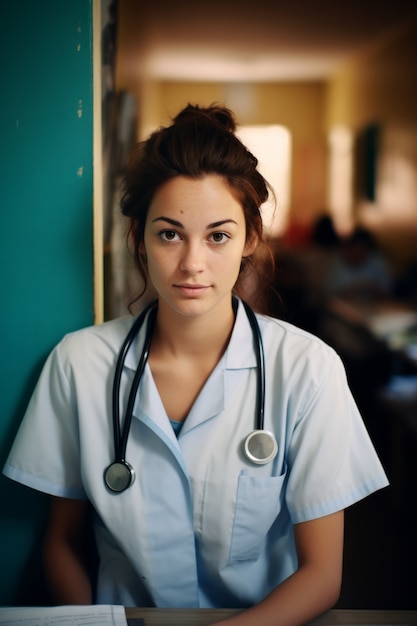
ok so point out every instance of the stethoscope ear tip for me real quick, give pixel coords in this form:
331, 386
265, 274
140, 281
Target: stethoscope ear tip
260, 447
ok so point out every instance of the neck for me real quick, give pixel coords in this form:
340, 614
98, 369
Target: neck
201, 335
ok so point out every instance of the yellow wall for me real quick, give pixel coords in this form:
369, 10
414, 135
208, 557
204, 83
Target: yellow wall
378, 84
297, 105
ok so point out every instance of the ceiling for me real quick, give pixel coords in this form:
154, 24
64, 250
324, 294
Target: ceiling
257, 40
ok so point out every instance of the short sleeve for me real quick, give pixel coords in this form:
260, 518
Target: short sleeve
46, 451
332, 461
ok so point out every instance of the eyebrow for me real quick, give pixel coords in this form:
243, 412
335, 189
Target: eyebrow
180, 225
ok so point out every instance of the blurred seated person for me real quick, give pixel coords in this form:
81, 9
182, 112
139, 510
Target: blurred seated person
406, 284
360, 272
319, 258
301, 275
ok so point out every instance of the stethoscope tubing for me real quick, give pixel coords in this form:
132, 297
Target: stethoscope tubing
120, 438
260, 446
260, 362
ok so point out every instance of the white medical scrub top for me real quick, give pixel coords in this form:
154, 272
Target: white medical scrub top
201, 526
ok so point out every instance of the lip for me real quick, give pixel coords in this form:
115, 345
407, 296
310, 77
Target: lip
191, 289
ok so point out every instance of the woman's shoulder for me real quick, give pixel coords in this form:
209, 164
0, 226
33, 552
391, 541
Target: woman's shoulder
105, 337
293, 342
301, 360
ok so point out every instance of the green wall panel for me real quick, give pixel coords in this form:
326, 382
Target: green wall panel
46, 222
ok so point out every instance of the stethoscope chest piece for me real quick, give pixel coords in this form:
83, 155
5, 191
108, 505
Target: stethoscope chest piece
119, 476
260, 446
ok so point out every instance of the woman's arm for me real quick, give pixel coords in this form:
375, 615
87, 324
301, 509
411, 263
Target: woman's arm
65, 552
313, 588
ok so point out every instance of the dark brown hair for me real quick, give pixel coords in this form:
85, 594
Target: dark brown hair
200, 141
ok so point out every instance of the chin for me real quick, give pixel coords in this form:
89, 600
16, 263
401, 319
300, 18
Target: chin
192, 307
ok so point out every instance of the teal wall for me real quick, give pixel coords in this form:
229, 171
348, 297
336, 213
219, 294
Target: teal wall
46, 224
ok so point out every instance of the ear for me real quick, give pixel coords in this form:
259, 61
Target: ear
250, 245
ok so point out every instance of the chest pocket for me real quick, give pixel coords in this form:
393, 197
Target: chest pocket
258, 503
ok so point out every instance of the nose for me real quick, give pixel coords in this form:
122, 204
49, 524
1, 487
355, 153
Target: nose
192, 260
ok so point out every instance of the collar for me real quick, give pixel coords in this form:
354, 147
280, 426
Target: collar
239, 353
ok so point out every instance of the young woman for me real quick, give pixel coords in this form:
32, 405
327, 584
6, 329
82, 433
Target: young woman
187, 511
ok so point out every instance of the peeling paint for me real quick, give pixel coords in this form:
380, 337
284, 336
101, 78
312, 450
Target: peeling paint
80, 171
80, 108
78, 47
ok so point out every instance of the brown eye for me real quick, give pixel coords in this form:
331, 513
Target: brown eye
168, 235
219, 237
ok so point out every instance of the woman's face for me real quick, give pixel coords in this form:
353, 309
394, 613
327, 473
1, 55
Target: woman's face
195, 238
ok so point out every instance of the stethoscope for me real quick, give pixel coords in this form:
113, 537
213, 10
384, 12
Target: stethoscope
259, 446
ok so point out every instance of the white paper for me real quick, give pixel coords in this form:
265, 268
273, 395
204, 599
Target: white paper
89, 615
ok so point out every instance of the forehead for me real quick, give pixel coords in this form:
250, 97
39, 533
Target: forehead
208, 193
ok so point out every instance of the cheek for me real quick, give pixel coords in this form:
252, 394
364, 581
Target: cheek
230, 264
153, 265
159, 264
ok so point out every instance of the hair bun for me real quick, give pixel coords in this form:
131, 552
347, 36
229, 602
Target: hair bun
215, 114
